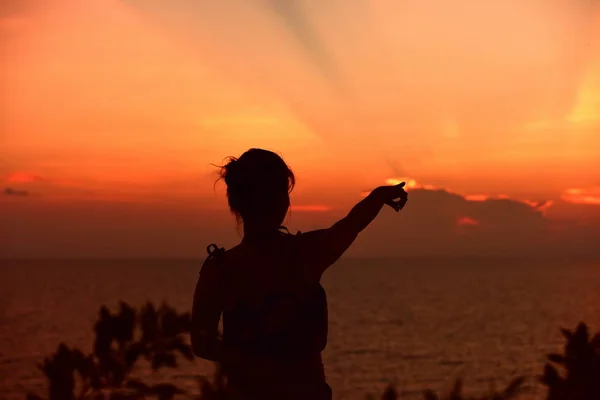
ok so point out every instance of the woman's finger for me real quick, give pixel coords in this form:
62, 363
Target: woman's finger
402, 202
401, 195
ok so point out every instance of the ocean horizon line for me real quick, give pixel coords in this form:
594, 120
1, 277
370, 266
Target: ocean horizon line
346, 258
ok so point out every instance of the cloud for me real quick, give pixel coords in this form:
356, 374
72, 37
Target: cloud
582, 196
310, 208
23, 177
439, 222
435, 223
16, 192
476, 197
17, 7
466, 221
472, 197
20, 14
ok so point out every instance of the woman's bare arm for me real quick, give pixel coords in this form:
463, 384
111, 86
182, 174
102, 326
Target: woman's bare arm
206, 313
321, 248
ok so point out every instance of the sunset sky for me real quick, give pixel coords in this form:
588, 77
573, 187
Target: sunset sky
112, 112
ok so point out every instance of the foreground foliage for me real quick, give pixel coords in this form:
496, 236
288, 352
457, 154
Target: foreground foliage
580, 363
158, 336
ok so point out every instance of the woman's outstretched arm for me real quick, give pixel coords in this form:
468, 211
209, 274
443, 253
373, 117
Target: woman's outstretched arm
363, 213
323, 247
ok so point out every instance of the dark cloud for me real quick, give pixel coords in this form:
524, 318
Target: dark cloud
16, 192
11, 8
429, 226
111, 229
17, 13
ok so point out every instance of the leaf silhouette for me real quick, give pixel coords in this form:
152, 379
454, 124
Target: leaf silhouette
124, 324
137, 384
581, 332
163, 360
149, 323
430, 395
133, 353
389, 394
123, 396
104, 333
184, 349
595, 342
566, 333
455, 394
166, 391
551, 376
168, 321
557, 358
514, 388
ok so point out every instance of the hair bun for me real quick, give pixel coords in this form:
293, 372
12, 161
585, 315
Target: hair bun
254, 180
231, 171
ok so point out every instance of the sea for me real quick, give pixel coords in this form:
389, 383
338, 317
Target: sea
414, 323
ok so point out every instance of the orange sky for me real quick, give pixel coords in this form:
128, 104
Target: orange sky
131, 100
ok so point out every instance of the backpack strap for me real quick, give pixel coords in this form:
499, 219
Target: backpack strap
213, 250
283, 229
215, 253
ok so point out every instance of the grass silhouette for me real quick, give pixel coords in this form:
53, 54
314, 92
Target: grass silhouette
159, 336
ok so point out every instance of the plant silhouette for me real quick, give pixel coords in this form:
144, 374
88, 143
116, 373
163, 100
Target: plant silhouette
158, 335
122, 339
581, 364
512, 391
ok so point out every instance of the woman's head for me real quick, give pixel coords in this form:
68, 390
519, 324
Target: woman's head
258, 186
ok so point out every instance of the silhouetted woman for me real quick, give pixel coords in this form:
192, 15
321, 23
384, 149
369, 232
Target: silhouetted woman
268, 287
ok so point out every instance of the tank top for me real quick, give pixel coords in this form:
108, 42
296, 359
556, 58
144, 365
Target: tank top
285, 324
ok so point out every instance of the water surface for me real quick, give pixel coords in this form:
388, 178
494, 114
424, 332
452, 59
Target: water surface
416, 323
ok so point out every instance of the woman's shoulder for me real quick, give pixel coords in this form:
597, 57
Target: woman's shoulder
214, 258
241, 254
219, 257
